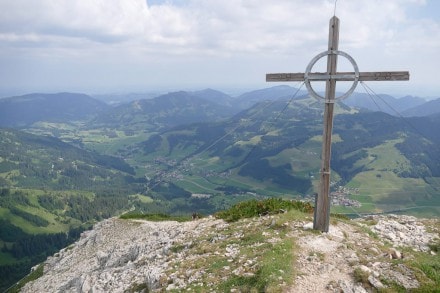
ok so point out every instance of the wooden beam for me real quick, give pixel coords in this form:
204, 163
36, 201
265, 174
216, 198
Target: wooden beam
384, 76
321, 220
363, 76
285, 77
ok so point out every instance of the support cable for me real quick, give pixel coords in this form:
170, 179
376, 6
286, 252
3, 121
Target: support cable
334, 10
369, 90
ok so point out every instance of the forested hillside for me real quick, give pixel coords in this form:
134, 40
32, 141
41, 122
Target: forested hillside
39, 161
49, 191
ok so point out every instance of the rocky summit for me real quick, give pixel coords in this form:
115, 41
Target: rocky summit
275, 253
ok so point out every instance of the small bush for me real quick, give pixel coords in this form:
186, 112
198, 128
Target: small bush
339, 216
254, 208
361, 277
435, 246
138, 288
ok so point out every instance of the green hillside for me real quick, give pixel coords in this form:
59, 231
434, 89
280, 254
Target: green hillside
260, 151
165, 111
179, 156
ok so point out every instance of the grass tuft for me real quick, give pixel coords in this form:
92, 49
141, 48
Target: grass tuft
361, 277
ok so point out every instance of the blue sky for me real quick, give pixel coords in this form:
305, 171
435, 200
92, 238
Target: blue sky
117, 46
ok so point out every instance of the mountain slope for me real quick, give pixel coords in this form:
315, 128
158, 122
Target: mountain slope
34, 161
251, 98
49, 191
25, 110
164, 112
272, 152
246, 142
276, 253
215, 97
383, 103
426, 109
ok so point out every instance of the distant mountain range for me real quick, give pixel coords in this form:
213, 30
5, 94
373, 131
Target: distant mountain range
167, 111
178, 107
387, 104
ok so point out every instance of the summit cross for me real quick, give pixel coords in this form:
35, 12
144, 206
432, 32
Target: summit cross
322, 203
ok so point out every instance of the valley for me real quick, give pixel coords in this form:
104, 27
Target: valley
201, 152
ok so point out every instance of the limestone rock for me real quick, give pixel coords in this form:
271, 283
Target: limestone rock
403, 231
115, 255
395, 254
136, 255
375, 282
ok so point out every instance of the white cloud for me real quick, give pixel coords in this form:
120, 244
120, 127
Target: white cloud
269, 31
230, 25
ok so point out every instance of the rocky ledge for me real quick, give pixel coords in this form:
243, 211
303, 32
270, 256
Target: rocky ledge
140, 256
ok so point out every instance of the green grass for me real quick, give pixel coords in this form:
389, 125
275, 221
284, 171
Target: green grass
259, 187
381, 189
97, 140
391, 192
195, 184
303, 160
142, 198
427, 269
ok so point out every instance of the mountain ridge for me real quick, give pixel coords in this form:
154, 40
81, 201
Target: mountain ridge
429, 108
272, 252
23, 111
383, 103
165, 111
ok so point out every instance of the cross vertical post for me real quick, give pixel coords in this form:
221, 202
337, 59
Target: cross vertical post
322, 209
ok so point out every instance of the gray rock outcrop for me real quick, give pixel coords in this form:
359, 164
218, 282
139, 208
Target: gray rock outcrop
115, 256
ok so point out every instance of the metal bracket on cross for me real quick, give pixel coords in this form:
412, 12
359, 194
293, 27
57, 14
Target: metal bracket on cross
309, 76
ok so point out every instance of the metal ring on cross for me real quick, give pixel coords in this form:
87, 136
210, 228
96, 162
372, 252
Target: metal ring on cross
308, 76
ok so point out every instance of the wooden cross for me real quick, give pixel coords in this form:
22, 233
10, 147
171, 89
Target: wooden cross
322, 203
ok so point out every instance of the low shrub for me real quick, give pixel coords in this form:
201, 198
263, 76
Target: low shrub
255, 208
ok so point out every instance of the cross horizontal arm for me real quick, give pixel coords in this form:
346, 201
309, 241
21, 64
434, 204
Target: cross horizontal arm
341, 76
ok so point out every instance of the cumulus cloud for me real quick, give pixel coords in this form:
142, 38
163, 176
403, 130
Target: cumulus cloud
160, 31
199, 25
